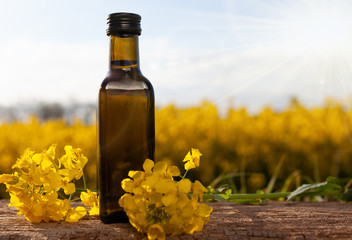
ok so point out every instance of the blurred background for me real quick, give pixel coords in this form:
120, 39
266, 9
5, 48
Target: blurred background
262, 88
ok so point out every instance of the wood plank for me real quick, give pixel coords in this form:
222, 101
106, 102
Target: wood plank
273, 220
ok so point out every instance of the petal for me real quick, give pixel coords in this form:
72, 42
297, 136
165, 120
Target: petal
204, 210
37, 158
155, 197
7, 178
69, 188
165, 186
174, 171
189, 165
51, 151
37, 209
198, 187
196, 153
156, 231
127, 202
127, 185
68, 149
187, 157
94, 211
160, 168
85, 198
138, 190
148, 165
197, 225
136, 175
52, 180
184, 185
75, 214
169, 198
50, 196
46, 164
82, 161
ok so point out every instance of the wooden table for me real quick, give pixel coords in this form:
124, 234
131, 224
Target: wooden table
273, 220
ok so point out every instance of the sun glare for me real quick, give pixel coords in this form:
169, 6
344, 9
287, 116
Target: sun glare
323, 27
300, 48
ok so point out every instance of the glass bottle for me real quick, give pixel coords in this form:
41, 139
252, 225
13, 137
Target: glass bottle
125, 115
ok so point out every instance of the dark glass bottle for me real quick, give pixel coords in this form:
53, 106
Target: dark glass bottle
125, 115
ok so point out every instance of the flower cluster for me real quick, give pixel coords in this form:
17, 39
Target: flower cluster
158, 205
38, 181
192, 159
90, 199
313, 138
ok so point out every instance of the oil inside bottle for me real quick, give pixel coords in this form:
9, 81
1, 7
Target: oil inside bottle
126, 127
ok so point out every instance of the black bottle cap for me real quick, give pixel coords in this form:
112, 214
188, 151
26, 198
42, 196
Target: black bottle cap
123, 22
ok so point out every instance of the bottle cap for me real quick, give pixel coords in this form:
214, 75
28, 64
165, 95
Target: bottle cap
123, 22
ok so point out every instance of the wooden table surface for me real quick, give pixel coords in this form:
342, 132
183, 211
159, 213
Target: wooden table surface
273, 220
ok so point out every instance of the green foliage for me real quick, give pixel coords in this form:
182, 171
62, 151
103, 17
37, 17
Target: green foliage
332, 186
347, 196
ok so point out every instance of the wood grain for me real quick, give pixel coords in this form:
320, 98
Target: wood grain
273, 220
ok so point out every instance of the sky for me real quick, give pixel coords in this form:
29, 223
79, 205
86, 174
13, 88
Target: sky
237, 53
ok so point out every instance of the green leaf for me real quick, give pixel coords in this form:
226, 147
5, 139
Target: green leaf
221, 197
336, 181
228, 192
260, 192
223, 188
347, 196
304, 188
332, 186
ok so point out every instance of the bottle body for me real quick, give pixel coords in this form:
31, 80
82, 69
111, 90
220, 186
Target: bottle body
126, 135
125, 116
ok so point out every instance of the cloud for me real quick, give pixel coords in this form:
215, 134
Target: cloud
51, 71
253, 59
253, 76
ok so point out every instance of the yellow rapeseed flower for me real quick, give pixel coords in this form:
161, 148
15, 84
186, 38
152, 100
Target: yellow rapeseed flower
158, 205
156, 232
148, 165
74, 215
192, 159
197, 190
37, 178
90, 199
184, 185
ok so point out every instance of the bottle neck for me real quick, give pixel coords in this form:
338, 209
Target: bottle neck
124, 51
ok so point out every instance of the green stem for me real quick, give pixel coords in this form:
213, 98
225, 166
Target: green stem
184, 175
52, 161
249, 196
81, 190
255, 196
61, 195
85, 190
76, 200
84, 181
70, 197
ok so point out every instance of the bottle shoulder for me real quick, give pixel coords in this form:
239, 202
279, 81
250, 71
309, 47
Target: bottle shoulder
126, 79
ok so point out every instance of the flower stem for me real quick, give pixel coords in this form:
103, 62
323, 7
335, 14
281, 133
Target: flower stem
61, 195
84, 181
70, 197
85, 190
210, 197
256, 196
184, 175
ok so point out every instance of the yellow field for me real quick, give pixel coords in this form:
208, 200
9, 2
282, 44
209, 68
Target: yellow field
308, 144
